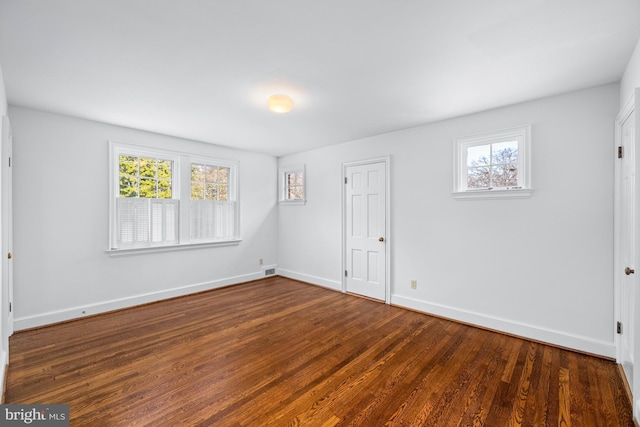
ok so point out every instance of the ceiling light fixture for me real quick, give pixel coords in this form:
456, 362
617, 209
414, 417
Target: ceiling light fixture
280, 103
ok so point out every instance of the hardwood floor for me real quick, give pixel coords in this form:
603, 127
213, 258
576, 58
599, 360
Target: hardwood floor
282, 353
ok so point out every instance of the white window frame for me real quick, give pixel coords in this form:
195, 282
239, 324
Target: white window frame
232, 193
282, 185
181, 191
460, 148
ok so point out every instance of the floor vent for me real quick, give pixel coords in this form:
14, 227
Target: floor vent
269, 271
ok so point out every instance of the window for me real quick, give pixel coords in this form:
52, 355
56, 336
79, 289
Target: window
151, 206
292, 185
212, 212
493, 165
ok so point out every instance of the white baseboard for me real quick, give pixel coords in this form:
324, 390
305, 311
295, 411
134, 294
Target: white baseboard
536, 333
314, 280
42, 319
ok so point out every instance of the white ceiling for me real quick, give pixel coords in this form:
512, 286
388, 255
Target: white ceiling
203, 69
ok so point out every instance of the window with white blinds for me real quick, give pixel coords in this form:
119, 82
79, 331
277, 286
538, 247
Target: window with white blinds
212, 220
146, 222
164, 199
212, 208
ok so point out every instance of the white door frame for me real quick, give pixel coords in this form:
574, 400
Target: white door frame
7, 233
619, 266
387, 262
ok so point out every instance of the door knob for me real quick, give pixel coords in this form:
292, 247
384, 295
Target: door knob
381, 239
629, 271
9, 255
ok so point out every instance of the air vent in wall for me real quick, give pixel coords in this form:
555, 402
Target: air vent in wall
269, 271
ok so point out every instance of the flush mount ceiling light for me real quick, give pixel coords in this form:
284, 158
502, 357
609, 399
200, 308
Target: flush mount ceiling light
280, 103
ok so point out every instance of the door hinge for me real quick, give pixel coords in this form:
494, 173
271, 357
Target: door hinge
345, 179
619, 327
345, 273
620, 152
10, 307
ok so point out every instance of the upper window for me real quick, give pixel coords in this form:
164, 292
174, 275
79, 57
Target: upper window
493, 165
152, 207
212, 206
292, 185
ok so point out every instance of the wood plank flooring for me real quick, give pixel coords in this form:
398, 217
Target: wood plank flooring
283, 353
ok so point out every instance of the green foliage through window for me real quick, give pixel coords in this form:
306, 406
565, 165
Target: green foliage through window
145, 177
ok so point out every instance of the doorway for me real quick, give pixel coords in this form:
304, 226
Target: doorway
366, 234
626, 236
7, 230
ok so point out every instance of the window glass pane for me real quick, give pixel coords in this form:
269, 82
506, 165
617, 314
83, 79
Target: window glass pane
294, 178
505, 152
296, 193
505, 175
148, 167
148, 188
128, 186
197, 172
197, 191
223, 175
164, 168
164, 189
128, 165
139, 177
478, 155
478, 177
223, 194
211, 173
211, 192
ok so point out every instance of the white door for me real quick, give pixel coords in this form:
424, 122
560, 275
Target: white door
365, 216
626, 235
7, 229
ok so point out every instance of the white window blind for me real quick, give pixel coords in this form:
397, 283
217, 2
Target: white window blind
212, 220
162, 198
146, 222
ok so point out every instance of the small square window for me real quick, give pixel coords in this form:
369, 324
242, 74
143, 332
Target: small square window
493, 165
291, 183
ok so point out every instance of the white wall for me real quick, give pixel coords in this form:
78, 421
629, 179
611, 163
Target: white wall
631, 77
61, 223
540, 267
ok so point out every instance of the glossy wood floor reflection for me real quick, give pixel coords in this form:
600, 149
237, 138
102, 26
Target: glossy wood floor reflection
282, 353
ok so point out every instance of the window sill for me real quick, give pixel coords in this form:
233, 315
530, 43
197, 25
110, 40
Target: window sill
520, 193
180, 247
292, 202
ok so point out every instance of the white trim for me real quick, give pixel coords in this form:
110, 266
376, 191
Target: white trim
388, 237
313, 280
533, 332
515, 193
626, 110
47, 318
169, 248
524, 189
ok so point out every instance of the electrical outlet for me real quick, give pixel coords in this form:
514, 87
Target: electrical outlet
261, 261
414, 284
